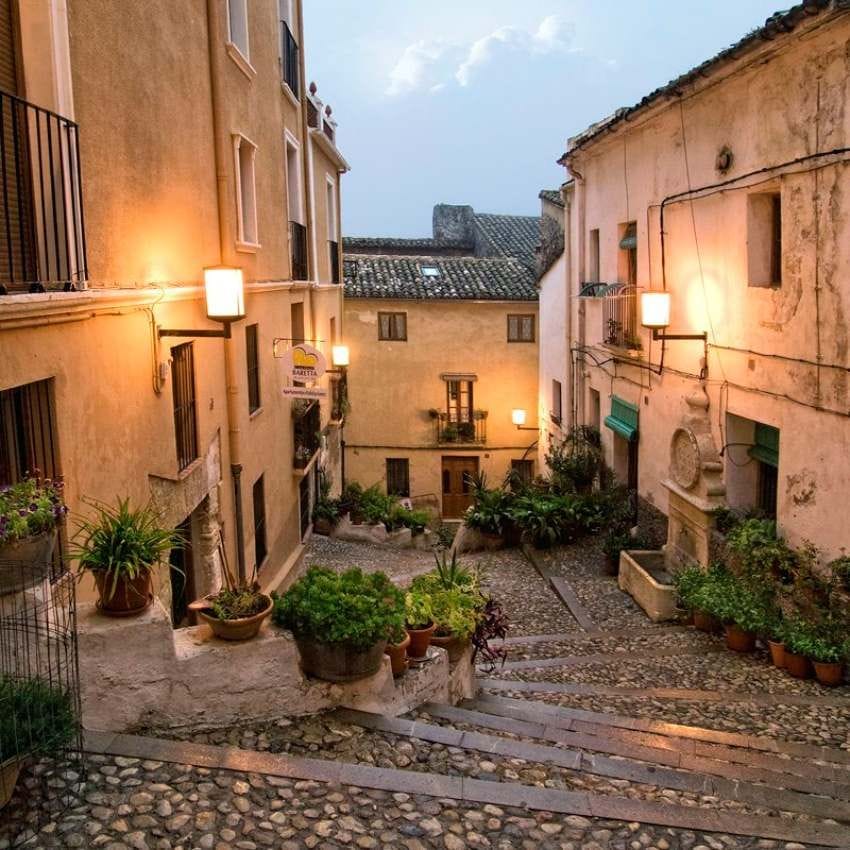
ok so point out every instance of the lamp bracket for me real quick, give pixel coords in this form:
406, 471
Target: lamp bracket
224, 333
660, 336
526, 428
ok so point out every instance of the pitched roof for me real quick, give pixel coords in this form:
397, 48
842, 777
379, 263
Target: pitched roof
777, 24
551, 195
367, 244
459, 278
508, 236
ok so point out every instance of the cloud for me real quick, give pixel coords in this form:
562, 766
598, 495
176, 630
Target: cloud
432, 65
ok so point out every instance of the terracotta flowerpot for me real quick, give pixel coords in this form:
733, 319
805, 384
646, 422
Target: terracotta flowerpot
323, 526
28, 562
130, 596
797, 665
453, 645
244, 628
777, 653
739, 640
338, 662
829, 673
398, 655
705, 622
420, 640
9, 771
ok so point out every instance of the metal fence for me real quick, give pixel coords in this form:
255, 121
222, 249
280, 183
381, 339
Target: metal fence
619, 317
298, 250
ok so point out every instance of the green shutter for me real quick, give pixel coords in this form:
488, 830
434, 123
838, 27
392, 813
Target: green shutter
623, 419
766, 448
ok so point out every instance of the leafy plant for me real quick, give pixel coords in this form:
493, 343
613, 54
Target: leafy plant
712, 596
353, 608
402, 517
493, 624
577, 461
37, 718
451, 573
29, 508
760, 550
417, 609
456, 611
122, 541
841, 571
326, 509
238, 604
490, 511
824, 640
688, 580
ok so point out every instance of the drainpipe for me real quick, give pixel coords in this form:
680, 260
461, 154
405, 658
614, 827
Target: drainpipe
221, 174
580, 269
567, 196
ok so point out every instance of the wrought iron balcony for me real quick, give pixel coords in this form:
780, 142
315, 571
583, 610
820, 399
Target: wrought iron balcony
289, 59
298, 250
333, 249
619, 317
469, 431
307, 426
42, 233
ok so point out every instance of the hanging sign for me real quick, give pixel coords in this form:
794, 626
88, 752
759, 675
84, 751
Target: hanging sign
305, 392
304, 363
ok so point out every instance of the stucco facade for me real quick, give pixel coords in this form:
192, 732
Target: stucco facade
747, 163
164, 98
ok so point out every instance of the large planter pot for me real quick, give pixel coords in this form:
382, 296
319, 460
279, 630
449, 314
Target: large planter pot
338, 662
131, 596
797, 665
454, 646
829, 673
244, 628
9, 771
492, 542
705, 622
739, 640
31, 559
777, 653
398, 655
420, 640
324, 527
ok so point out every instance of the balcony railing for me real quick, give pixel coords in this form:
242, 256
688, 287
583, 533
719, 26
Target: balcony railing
42, 234
289, 58
307, 426
333, 250
619, 317
298, 250
469, 431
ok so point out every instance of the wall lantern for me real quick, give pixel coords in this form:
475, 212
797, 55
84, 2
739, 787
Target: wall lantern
340, 356
655, 315
518, 417
225, 298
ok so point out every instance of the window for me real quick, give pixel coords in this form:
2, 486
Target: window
259, 499
333, 330
557, 411
521, 327
429, 271
392, 327
296, 322
253, 362
289, 59
764, 239
593, 267
183, 386
627, 264
459, 402
237, 25
333, 231
246, 197
522, 471
594, 418
398, 476
27, 432
294, 201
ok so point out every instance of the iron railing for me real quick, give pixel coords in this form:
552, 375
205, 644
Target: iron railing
289, 58
467, 431
298, 250
185, 415
307, 427
333, 250
619, 317
42, 233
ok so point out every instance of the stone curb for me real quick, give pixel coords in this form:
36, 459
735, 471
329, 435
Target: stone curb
581, 635
462, 789
606, 658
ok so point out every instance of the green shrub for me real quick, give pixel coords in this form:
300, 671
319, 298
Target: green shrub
29, 508
688, 580
417, 609
402, 517
37, 718
490, 511
841, 572
760, 550
712, 596
353, 608
456, 601
577, 461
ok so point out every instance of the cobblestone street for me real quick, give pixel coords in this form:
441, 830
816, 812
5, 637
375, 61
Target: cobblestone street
601, 732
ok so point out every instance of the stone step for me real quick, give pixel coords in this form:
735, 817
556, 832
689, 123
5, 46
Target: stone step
618, 768
605, 658
469, 790
543, 712
611, 634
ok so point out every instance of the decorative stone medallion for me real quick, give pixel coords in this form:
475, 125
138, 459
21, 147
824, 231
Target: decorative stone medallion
685, 458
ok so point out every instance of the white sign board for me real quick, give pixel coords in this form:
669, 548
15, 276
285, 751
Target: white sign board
304, 363
305, 392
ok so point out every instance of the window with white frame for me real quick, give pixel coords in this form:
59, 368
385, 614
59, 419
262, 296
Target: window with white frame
237, 25
332, 216
294, 196
244, 153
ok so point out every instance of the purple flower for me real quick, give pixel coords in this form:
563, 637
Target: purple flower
22, 512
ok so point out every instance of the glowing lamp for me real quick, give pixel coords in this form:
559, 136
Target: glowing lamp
655, 309
225, 293
518, 416
340, 355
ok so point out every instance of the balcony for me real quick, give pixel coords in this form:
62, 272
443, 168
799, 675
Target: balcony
289, 59
619, 317
307, 426
42, 234
333, 250
298, 250
467, 432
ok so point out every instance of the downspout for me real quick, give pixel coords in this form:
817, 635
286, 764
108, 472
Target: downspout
579, 266
221, 174
568, 300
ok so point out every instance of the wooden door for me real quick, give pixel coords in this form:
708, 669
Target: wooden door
457, 484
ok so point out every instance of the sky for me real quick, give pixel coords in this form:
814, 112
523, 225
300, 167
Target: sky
472, 101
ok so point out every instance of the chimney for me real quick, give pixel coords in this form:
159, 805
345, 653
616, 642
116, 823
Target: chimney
454, 223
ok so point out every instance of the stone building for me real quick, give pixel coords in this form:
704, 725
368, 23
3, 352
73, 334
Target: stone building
143, 144
726, 191
444, 344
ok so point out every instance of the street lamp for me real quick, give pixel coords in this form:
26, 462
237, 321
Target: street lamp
225, 301
655, 315
518, 417
340, 356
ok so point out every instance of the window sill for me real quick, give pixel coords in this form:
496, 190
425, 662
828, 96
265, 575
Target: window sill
289, 94
248, 247
183, 474
240, 60
630, 353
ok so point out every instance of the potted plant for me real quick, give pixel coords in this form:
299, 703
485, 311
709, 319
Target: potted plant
236, 612
489, 513
341, 621
37, 720
30, 512
798, 637
325, 516
121, 546
397, 645
773, 634
616, 539
710, 599
419, 622
688, 580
